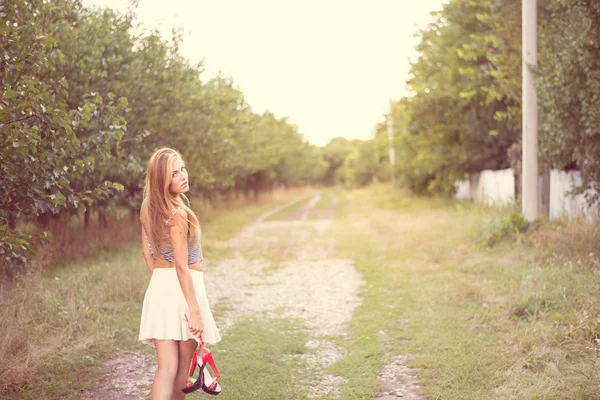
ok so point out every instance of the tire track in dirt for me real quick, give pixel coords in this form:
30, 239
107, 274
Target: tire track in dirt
287, 268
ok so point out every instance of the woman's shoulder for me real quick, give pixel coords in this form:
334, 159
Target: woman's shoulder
178, 216
180, 212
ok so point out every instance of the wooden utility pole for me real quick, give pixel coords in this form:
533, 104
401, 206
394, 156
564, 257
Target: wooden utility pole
392, 152
530, 112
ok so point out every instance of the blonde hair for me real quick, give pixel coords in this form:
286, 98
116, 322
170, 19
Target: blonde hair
159, 200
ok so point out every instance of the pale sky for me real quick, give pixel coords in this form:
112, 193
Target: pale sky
331, 66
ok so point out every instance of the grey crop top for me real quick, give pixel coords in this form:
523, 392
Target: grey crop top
166, 251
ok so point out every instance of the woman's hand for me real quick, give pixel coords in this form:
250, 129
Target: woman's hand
195, 323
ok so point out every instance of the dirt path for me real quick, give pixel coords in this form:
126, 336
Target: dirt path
279, 267
289, 266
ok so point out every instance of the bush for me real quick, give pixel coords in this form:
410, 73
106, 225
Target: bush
511, 226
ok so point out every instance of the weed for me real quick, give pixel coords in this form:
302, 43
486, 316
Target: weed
510, 226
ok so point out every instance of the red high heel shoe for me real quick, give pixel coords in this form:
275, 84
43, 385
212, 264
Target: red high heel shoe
204, 376
192, 384
213, 386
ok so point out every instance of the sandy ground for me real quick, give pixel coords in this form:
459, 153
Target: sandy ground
280, 268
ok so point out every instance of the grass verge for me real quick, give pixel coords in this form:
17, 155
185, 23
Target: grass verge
59, 326
511, 321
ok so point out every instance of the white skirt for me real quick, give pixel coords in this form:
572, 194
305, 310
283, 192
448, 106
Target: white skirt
165, 308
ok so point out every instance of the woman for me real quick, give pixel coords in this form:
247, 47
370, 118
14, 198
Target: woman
176, 309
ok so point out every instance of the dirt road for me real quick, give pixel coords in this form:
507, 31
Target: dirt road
284, 268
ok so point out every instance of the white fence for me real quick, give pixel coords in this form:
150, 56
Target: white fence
562, 203
489, 187
498, 188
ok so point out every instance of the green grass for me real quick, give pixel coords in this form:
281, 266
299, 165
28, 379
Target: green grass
63, 324
260, 359
325, 207
480, 323
290, 209
324, 202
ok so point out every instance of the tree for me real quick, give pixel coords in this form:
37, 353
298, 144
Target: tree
569, 89
40, 153
459, 106
362, 165
334, 153
85, 102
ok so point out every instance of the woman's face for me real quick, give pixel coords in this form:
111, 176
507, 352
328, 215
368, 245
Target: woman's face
179, 182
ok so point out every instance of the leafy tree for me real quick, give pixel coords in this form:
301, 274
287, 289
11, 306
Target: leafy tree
40, 153
459, 107
334, 153
362, 165
569, 88
86, 101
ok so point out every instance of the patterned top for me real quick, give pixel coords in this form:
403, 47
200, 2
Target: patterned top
166, 251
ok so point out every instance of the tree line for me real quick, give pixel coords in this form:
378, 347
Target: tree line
86, 99
463, 114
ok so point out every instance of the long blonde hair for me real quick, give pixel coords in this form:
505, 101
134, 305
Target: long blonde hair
159, 200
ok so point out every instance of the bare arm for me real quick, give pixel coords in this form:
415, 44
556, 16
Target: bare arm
179, 232
146, 252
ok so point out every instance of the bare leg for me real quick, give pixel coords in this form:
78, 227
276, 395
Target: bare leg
167, 353
185, 349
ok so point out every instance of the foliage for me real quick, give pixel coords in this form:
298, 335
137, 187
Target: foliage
569, 88
511, 225
456, 120
40, 151
362, 166
86, 101
463, 113
334, 153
